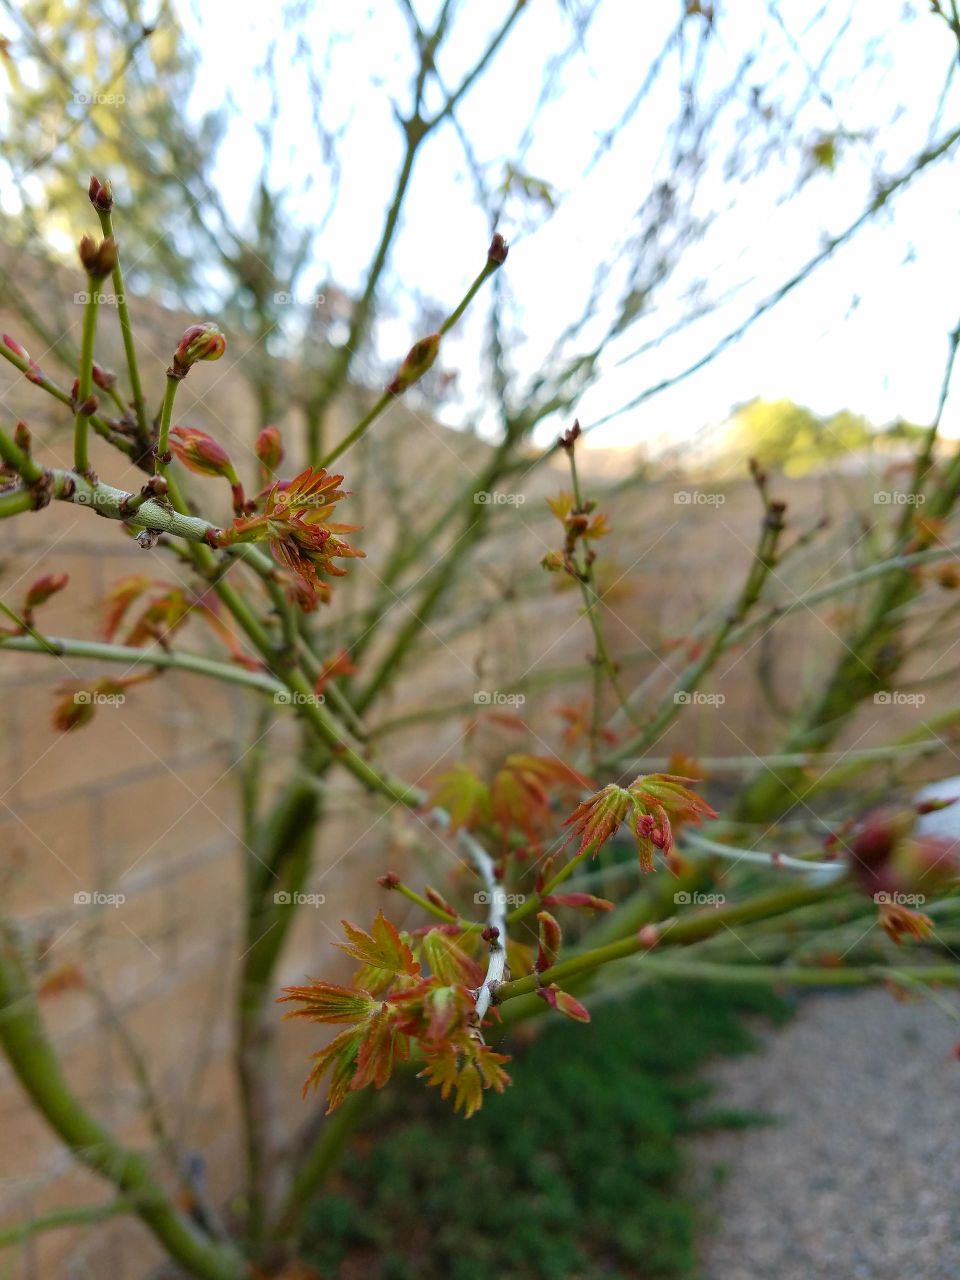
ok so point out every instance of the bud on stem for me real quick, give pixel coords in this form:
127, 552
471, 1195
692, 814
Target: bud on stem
202, 454
419, 359
101, 194
199, 342
98, 259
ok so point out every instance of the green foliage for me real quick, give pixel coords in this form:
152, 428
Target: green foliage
576, 1172
782, 434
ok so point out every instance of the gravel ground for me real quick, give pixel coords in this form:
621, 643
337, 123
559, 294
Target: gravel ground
859, 1178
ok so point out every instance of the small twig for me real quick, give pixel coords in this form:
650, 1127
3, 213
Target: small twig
821, 870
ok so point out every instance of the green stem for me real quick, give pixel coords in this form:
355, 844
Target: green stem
602, 660
132, 658
320, 1159
126, 330
35, 1064
798, 975
81, 453
47, 646
389, 396
488, 269
84, 1215
166, 415
283, 854
15, 501
17, 460
533, 902
360, 429
99, 424
674, 699
678, 932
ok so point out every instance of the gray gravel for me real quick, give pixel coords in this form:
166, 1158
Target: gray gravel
860, 1175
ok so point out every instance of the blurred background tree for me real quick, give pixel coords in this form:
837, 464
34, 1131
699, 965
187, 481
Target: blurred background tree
649, 182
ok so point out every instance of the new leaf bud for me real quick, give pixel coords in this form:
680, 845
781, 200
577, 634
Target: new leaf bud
98, 259
418, 360
101, 194
199, 342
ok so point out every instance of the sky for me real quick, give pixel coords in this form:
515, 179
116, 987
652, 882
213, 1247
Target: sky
868, 331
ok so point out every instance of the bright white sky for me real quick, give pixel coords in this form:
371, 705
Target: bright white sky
868, 332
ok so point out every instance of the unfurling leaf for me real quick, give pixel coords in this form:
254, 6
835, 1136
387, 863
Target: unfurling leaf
40, 591
338, 665
392, 1006
463, 796
550, 940
382, 948
448, 961
520, 794
327, 1002
119, 599
468, 1070
652, 806
563, 1002
578, 901
295, 521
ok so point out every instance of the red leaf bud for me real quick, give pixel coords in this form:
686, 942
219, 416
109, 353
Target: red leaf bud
202, 454
98, 259
199, 342
418, 360
269, 448
497, 253
101, 194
